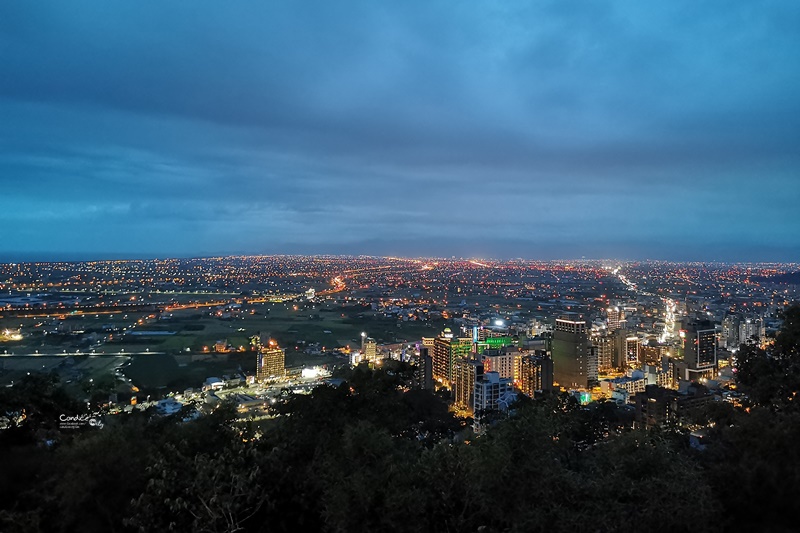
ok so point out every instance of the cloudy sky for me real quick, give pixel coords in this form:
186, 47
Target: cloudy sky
562, 129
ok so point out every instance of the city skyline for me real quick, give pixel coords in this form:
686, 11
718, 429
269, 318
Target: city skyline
544, 131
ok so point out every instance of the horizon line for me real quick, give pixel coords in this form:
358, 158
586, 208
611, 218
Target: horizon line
81, 257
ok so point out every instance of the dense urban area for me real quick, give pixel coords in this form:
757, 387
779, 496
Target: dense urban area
345, 393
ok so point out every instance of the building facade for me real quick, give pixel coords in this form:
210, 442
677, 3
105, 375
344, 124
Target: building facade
489, 389
370, 350
614, 317
574, 360
446, 349
698, 349
506, 363
271, 362
467, 372
536, 374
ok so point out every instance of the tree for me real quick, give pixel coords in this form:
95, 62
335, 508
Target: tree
33, 407
753, 458
202, 492
772, 376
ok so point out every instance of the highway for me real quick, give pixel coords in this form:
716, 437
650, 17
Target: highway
65, 354
669, 307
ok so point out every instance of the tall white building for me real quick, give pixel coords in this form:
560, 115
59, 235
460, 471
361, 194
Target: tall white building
751, 329
492, 394
489, 388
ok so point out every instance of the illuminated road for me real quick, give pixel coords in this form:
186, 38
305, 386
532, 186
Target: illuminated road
339, 282
65, 354
669, 307
276, 298
64, 313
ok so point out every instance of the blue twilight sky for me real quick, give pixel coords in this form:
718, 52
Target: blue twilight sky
560, 129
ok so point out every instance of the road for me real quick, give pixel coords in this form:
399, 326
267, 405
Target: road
64, 354
669, 307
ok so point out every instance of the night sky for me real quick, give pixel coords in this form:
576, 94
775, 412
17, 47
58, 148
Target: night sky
664, 130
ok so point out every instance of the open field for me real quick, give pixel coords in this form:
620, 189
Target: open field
292, 326
154, 373
161, 351
71, 369
196, 330
67, 339
13, 368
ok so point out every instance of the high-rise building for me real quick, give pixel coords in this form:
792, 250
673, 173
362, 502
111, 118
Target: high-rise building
446, 349
751, 330
651, 355
536, 373
730, 332
271, 362
620, 353
605, 352
493, 395
698, 349
466, 371
489, 389
614, 316
425, 369
572, 353
504, 362
592, 366
370, 350
632, 350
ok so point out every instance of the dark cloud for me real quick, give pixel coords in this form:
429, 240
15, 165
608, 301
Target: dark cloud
542, 129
